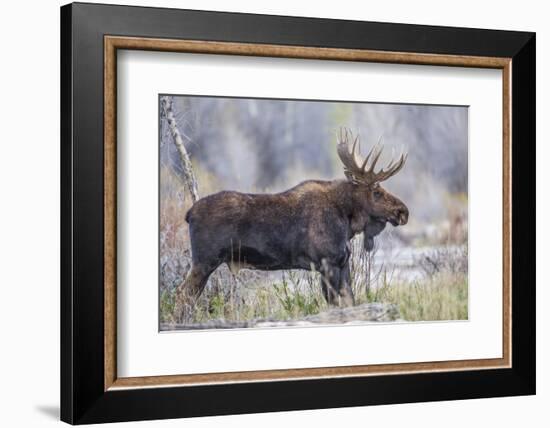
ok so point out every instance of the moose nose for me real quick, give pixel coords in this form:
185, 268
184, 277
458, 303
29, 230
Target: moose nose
402, 214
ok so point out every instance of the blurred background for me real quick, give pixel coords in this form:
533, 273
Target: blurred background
269, 145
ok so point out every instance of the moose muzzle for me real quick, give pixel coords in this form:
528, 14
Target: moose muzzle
400, 216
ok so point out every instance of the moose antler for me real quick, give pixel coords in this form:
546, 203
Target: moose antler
357, 172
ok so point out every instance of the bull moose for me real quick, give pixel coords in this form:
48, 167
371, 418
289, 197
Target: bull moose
306, 227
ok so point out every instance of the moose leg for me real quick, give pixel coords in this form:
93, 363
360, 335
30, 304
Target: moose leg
336, 284
191, 288
330, 282
344, 290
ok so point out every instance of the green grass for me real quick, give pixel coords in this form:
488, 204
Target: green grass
442, 297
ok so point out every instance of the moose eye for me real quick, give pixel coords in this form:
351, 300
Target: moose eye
377, 194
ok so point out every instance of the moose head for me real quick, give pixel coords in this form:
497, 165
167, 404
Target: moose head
374, 205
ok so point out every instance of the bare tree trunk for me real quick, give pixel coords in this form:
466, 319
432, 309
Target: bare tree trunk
189, 176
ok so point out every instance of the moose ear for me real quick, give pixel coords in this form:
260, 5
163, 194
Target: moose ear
352, 178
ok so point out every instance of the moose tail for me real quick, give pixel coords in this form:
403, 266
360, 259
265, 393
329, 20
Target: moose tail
188, 216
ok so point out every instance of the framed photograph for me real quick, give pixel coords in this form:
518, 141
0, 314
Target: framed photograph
265, 213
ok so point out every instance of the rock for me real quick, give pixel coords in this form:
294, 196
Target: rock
356, 315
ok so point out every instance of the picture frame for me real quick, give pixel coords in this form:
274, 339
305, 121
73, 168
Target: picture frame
91, 35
